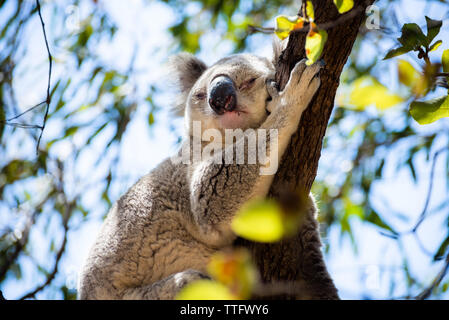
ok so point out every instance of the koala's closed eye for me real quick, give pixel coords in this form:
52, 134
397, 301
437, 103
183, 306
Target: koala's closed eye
200, 95
247, 84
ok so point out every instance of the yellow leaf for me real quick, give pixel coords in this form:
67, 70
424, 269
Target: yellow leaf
315, 42
205, 290
285, 24
421, 86
235, 270
260, 220
435, 46
368, 91
407, 73
424, 83
310, 11
445, 60
344, 5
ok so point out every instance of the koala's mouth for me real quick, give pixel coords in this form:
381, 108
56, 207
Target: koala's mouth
233, 119
236, 112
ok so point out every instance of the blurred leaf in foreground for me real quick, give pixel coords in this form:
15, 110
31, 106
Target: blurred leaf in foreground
259, 220
369, 91
445, 60
286, 24
205, 290
425, 112
407, 74
235, 270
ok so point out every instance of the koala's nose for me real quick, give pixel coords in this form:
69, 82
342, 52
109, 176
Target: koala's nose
222, 95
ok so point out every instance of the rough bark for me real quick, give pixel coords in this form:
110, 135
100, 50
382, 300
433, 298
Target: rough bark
299, 259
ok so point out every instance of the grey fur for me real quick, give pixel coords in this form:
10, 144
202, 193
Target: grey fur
187, 69
162, 232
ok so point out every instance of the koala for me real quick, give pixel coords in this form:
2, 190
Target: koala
160, 235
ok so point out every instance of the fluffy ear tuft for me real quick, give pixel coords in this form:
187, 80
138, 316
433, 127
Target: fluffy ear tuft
187, 69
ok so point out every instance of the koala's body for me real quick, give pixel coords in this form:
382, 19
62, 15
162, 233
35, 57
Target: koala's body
162, 232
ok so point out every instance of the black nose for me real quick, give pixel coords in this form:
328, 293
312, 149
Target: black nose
222, 95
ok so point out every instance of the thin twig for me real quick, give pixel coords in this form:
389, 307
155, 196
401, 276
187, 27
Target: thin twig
21, 243
436, 282
53, 273
69, 207
26, 111
48, 98
50, 60
324, 26
429, 191
422, 216
23, 125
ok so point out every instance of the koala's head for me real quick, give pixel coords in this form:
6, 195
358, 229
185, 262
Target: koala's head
232, 93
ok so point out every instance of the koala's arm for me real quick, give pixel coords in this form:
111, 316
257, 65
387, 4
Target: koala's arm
218, 190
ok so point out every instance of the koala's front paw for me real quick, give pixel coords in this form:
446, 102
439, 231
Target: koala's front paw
301, 87
303, 84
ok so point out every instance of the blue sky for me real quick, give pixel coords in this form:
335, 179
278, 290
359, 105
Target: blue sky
142, 149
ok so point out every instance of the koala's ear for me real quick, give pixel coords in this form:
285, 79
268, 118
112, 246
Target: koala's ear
187, 69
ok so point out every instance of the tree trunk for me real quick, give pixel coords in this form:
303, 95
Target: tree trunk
299, 259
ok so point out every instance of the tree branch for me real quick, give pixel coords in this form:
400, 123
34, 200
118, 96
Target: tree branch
300, 258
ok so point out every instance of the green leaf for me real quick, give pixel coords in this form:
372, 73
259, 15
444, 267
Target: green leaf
397, 52
259, 221
433, 28
435, 46
70, 131
344, 5
442, 249
368, 91
205, 290
445, 286
412, 36
375, 219
15, 170
425, 112
407, 73
150, 118
315, 41
2, 118
445, 60
88, 141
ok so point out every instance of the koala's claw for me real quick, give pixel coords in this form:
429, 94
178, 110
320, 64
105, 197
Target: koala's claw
296, 73
272, 88
185, 277
310, 73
